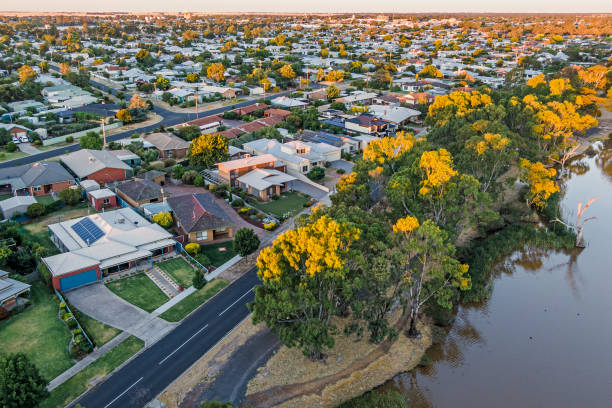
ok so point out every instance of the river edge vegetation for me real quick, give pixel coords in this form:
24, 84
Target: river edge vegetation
391, 238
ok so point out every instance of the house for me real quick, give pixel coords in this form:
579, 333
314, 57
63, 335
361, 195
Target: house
99, 165
129, 158
139, 192
100, 244
346, 144
224, 91
358, 97
14, 205
208, 124
265, 183
89, 185
156, 176
236, 153
199, 218
168, 145
395, 115
102, 199
11, 290
16, 131
247, 110
230, 170
289, 103
36, 179
282, 113
366, 123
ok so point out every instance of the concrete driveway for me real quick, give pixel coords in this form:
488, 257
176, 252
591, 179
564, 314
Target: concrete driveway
343, 164
28, 148
303, 187
99, 302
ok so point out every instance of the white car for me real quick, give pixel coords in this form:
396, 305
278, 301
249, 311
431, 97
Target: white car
15, 139
24, 139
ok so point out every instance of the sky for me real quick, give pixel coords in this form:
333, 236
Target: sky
336, 6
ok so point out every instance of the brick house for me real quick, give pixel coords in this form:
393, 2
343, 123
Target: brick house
36, 179
10, 290
229, 171
199, 218
98, 165
140, 192
168, 145
102, 198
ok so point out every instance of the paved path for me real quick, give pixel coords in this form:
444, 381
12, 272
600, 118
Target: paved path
28, 148
173, 301
86, 361
99, 302
223, 268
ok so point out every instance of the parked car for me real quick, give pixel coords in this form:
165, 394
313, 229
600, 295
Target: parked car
16, 139
24, 139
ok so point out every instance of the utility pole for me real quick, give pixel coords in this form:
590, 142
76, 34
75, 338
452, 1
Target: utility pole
196, 101
103, 132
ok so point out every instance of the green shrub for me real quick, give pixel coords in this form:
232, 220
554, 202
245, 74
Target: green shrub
11, 147
189, 176
198, 181
192, 248
316, 173
237, 202
340, 171
198, 279
36, 210
202, 259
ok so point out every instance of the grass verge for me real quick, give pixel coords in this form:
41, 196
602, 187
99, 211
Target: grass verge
140, 291
179, 270
39, 334
78, 384
191, 302
100, 332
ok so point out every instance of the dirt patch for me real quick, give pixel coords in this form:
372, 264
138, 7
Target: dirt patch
186, 389
352, 367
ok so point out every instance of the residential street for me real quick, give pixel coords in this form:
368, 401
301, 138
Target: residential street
144, 377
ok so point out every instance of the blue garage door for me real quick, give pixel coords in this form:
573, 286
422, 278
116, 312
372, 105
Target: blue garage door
80, 279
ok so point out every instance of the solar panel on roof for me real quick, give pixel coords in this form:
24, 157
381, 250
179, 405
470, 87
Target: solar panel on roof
88, 231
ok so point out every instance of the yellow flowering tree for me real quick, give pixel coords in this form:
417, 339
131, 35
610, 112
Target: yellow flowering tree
215, 71
286, 71
385, 149
541, 182
304, 275
208, 149
488, 156
26, 74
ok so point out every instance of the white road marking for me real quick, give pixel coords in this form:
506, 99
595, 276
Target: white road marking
237, 300
123, 393
179, 347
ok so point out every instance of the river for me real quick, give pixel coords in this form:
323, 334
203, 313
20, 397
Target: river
544, 337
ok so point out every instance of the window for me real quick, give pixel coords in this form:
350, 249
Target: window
202, 236
106, 201
37, 188
304, 169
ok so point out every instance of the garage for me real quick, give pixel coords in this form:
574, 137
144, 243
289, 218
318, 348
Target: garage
78, 279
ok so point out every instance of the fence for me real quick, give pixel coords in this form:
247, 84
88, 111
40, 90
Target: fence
180, 249
61, 298
76, 135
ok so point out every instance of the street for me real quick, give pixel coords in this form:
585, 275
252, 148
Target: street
143, 378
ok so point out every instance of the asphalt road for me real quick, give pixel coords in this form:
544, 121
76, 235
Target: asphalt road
147, 375
169, 119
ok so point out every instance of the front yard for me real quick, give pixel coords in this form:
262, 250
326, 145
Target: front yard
286, 206
179, 270
100, 332
39, 334
78, 384
191, 302
220, 253
140, 291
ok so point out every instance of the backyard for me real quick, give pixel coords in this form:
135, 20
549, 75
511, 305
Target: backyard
179, 270
39, 334
78, 384
191, 302
286, 206
220, 253
140, 291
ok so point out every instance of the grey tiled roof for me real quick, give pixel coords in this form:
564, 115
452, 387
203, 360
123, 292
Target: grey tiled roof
37, 174
199, 212
139, 190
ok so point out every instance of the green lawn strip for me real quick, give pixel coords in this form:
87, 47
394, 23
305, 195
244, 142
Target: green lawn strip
45, 199
104, 365
5, 196
179, 270
191, 302
140, 291
100, 332
218, 258
39, 334
5, 155
291, 203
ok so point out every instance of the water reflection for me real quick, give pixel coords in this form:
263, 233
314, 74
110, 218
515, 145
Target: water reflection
543, 337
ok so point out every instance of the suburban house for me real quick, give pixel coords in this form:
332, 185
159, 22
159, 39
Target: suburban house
99, 244
36, 179
102, 199
395, 115
99, 165
247, 110
17, 131
289, 103
366, 123
14, 205
129, 158
229, 171
346, 144
199, 218
208, 124
357, 98
265, 183
168, 145
156, 176
282, 113
139, 192
10, 290
298, 157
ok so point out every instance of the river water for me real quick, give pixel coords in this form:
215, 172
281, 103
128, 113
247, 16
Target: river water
544, 337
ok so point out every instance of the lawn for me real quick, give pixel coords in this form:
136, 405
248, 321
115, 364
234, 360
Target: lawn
5, 196
288, 203
45, 199
6, 156
191, 302
100, 332
78, 384
63, 214
140, 291
39, 334
179, 270
219, 257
